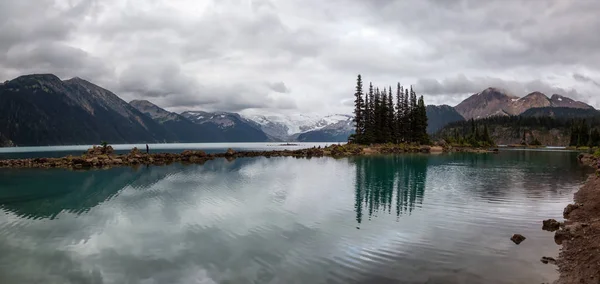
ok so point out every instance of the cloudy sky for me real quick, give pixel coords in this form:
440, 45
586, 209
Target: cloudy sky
303, 56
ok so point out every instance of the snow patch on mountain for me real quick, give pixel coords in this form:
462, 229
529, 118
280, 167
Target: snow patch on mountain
298, 123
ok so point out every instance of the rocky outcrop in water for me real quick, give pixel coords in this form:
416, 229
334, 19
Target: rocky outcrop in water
550, 225
103, 157
517, 238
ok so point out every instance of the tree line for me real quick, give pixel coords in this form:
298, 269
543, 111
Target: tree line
378, 118
582, 134
471, 134
582, 131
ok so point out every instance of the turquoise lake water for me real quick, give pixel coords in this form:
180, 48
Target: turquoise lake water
397, 219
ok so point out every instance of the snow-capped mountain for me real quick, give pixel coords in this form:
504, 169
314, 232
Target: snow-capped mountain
291, 127
232, 125
222, 119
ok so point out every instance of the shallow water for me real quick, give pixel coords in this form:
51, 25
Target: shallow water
395, 219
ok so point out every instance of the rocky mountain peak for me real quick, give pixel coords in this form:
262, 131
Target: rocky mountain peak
494, 101
43, 77
155, 112
496, 93
45, 82
535, 96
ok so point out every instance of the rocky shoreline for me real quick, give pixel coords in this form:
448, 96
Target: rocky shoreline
104, 157
579, 235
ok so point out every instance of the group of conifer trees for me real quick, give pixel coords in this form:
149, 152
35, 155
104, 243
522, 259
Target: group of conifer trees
378, 119
470, 134
584, 135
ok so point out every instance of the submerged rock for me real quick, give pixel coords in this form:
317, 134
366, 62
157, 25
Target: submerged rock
517, 238
546, 260
550, 225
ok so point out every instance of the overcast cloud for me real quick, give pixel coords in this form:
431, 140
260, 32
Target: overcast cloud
303, 56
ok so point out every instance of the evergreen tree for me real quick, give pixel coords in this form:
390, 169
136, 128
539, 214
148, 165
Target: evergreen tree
359, 111
421, 118
595, 137
414, 113
377, 113
583, 134
390, 116
486, 135
399, 114
366, 121
372, 119
406, 123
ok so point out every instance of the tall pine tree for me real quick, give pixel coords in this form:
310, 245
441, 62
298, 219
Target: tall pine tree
414, 116
399, 114
359, 107
406, 123
370, 133
377, 130
421, 128
390, 125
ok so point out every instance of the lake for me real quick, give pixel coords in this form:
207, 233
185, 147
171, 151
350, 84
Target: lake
388, 219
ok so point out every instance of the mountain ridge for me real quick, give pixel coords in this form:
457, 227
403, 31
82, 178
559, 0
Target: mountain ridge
42, 109
495, 101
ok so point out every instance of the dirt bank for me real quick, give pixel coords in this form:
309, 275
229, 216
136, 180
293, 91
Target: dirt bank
579, 260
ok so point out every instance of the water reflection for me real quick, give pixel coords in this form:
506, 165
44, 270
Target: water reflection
284, 220
46, 193
383, 181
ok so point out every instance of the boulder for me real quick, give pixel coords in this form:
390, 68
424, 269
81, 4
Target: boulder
550, 225
570, 209
135, 151
230, 152
562, 235
517, 238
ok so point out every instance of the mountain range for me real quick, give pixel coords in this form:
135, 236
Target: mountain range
494, 101
41, 109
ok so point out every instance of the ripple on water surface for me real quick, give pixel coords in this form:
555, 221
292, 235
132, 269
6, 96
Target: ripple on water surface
396, 219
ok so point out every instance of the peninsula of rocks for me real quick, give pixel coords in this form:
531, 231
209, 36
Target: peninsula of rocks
105, 157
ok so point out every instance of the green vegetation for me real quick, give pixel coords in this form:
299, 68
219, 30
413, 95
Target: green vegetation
583, 134
473, 136
378, 120
535, 142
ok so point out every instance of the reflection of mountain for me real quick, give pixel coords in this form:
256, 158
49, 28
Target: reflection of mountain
382, 181
45, 193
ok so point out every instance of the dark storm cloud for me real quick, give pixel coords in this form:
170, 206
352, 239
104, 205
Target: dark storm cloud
279, 87
586, 79
499, 33
219, 54
60, 59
